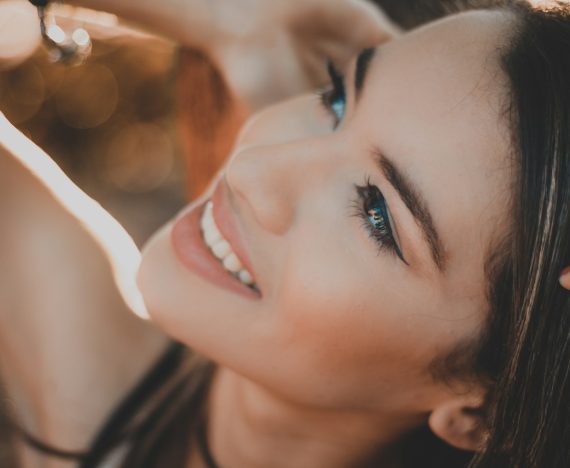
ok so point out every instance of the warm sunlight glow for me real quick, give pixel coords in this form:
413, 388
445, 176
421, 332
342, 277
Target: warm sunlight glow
119, 247
19, 32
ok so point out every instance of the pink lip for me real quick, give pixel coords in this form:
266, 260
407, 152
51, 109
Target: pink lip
194, 254
227, 224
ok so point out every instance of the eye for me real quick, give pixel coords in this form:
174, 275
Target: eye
334, 98
372, 209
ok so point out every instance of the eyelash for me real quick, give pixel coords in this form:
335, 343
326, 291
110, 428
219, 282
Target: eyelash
334, 96
376, 222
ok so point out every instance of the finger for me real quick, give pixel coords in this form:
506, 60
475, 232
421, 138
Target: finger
358, 22
262, 76
190, 23
371, 25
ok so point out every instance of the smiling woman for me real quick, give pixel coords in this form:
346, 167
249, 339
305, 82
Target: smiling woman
372, 278
290, 188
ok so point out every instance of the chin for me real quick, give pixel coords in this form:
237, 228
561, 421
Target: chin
158, 282
187, 307
232, 331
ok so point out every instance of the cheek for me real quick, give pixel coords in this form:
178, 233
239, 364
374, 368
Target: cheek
361, 335
159, 283
328, 319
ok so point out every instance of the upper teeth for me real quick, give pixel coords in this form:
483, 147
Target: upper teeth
221, 248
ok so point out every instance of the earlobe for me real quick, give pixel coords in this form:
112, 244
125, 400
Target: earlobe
459, 424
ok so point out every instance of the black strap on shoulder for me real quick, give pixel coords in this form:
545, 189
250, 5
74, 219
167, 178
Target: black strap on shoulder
163, 439
114, 431
48, 450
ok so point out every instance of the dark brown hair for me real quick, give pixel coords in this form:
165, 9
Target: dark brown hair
523, 355
528, 349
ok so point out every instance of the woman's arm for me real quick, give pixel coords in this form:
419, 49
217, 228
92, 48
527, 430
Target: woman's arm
267, 50
70, 345
247, 54
190, 22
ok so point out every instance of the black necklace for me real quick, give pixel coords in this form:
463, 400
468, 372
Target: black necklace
202, 440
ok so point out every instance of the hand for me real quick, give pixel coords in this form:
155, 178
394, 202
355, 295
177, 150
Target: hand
272, 49
267, 49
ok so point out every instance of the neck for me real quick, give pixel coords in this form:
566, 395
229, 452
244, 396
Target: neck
249, 426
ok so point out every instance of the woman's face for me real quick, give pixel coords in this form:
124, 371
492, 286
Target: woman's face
365, 227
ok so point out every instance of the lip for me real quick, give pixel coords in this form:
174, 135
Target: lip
225, 219
195, 255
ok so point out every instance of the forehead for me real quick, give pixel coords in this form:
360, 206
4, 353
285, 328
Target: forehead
434, 103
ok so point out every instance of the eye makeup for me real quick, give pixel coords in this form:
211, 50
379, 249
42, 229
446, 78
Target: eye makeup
333, 98
370, 207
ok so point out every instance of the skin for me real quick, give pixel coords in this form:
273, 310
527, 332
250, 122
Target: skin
332, 363
432, 103
66, 322
267, 50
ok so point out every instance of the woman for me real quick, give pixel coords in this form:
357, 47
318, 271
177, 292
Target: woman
390, 262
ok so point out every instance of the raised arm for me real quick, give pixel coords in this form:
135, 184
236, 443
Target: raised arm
70, 344
267, 50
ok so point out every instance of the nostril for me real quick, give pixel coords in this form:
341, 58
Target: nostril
238, 176
257, 178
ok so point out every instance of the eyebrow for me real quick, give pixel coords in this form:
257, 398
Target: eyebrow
415, 203
361, 69
402, 184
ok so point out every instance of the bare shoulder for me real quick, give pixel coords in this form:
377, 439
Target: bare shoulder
70, 344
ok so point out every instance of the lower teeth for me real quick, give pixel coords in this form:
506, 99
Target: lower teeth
250, 286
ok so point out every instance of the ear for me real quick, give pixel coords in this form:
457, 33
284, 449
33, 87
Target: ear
460, 423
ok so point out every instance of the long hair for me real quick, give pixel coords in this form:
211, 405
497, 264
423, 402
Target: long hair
523, 356
528, 347
524, 353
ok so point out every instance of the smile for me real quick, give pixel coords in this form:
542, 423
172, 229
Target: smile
221, 248
208, 240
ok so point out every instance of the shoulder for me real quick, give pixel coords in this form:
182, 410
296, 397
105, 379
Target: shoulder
70, 345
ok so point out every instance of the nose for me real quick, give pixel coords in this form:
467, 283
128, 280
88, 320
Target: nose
273, 180
282, 154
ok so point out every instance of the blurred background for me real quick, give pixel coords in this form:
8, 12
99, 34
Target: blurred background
112, 124
108, 122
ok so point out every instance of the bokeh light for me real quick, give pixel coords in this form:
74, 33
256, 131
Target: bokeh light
81, 37
108, 122
88, 96
55, 33
139, 158
22, 93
